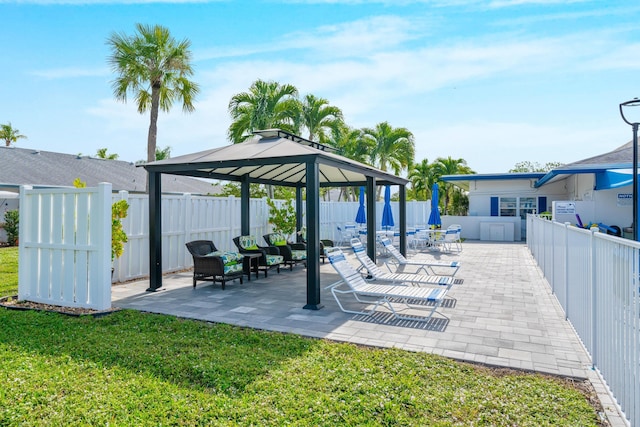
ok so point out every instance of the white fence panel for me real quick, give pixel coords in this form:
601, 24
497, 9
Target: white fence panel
186, 218
65, 246
599, 291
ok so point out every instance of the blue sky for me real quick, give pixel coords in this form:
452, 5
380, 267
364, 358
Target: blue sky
495, 82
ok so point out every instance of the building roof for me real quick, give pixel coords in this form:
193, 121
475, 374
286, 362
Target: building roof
462, 181
39, 168
603, 165
613, 169
275, 157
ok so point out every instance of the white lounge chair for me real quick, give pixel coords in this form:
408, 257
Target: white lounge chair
399, 278
398, 260
380, 295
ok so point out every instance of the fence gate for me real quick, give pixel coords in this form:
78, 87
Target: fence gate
65, 246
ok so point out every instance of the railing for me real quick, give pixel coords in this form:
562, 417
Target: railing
595, 277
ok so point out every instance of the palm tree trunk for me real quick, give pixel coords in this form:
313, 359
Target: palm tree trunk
153, 125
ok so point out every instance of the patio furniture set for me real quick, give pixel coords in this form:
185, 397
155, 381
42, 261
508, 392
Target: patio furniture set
211, 264
368, 284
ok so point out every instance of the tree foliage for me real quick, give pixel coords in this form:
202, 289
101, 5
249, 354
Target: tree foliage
266, 105
102, 154
528, 166
154, 68
9, 134
282, 218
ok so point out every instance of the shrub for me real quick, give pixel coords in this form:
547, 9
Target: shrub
11, 226
118, 236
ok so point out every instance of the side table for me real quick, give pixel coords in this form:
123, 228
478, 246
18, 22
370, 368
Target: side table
251, 262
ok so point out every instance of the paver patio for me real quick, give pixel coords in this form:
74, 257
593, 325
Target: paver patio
503, 315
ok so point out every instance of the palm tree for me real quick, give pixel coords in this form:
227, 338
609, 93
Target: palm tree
318, 116
154, 68
9, 134
267, 105
450, 166
392, 147
422, 176
102, 154
351, 144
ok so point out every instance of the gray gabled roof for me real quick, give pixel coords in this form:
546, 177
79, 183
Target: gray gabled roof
274, 157
620, 158
39, 168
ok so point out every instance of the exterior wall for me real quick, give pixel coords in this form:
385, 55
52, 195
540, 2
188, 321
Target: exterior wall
480, 193
606, 206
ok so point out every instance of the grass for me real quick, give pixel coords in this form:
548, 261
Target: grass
132, 368
8, 271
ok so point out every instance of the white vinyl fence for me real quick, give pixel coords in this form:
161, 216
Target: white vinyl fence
596, 279
187, 217
65, 246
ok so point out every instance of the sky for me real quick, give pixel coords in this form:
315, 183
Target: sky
494, 82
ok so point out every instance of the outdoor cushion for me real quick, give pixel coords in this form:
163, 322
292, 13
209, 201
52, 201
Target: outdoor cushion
248, 242
227, 256
278, 239
232, 268
298, 255
274, 259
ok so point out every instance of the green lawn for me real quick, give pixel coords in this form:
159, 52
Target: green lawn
8, 271
131, 368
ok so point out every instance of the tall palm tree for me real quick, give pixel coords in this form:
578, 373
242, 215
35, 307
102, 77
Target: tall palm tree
318, 117
450, 166
155, 68
351, 145
102, 154
422, 176
10, 135
392, 147
267, 105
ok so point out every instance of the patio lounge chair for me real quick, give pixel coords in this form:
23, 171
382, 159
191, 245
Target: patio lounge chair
380, 295
270, 258
211, 264
292, 253
450, 241
428, 267
398, 278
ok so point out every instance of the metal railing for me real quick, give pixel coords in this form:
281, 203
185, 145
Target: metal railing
595, 277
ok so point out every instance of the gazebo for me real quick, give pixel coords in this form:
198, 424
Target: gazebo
275, 157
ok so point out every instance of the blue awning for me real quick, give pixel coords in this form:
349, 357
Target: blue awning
613, 178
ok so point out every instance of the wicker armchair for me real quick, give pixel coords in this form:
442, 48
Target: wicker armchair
214, 265
292, 253
270, 258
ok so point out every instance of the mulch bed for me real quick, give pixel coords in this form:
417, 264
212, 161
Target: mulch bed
12, 303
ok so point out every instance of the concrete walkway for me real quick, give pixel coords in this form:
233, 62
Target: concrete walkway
503, 315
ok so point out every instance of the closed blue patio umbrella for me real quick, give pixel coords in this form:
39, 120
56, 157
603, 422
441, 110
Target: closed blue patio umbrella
361, 217
387, 213
434, 216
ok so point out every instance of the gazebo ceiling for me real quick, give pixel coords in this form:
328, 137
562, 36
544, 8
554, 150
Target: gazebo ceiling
274, 157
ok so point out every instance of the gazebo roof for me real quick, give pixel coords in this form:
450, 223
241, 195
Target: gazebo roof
274, 157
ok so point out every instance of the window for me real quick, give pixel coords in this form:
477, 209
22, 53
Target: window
513, 206
527, 206
508, 206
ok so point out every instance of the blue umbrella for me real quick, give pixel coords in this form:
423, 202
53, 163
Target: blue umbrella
361, 217
387, 213
434, 216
